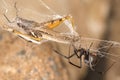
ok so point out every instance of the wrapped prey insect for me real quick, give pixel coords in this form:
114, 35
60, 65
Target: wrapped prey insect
36, 32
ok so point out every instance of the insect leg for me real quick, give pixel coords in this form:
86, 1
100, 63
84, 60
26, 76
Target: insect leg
55, 23
8, 19
16, 15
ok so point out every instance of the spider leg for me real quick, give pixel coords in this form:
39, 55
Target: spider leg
90, 64
67, 57
80, 58
75, 64
75, 51
70, 56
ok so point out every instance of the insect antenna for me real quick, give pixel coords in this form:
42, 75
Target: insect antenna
15, 6
16, 14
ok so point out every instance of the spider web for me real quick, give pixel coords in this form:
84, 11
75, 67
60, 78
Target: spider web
45, 14
56, 15
104, 48
98, 45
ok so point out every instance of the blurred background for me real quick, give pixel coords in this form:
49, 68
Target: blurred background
22, 60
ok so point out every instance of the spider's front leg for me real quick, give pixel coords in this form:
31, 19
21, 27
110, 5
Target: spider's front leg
69, 57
